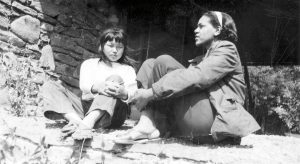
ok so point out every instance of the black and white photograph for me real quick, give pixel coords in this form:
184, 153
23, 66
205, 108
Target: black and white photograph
149, 81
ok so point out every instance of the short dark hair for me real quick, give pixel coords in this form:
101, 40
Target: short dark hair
119, 35
228, 31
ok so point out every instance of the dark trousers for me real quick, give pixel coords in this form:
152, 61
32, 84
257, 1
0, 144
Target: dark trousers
187, 114
59, 100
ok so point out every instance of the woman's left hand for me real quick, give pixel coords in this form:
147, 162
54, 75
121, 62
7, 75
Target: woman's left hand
141, 98
116, 90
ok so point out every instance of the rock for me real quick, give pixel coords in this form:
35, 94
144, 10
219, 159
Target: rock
47, 27
33, 47
63, 41
47, 58
76, 73
8, 2
11, 38
39, 79
92, 47
86, 54
4, 22
59, 28
67, 52
46, 7
46, 18
64, 69
4, 97
2, 77
75, 33
65, 20
66, 59
6, 11
10, 59
27, 28
24, 9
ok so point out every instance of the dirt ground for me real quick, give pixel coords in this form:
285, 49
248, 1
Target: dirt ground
40, 139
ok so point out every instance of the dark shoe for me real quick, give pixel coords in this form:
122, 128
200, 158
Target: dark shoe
68, 130
230, 141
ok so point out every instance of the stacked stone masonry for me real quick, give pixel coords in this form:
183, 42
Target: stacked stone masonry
70, 27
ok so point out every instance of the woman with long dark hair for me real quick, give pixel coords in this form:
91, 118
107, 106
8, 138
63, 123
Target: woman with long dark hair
107, 84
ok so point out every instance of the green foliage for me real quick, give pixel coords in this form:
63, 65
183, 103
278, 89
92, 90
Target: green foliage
18, 73
276, 90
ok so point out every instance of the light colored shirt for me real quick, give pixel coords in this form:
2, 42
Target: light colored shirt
93, 71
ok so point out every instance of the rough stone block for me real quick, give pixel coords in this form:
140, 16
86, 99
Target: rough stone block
47, 58
65, 20
67, 52
4, 22
5, 10
46, 7
75, 33
8, 2
89, 46
24, 9
66, 59
47, 27
46, 18
63, 41
86, 54
27, 28
64, 69
11, 38
4, 97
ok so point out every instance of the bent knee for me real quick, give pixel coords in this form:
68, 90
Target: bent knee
163, 59
115, 78
147, 62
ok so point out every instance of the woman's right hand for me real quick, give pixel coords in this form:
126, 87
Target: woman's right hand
100, 88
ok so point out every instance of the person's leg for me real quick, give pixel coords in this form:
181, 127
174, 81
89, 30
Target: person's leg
194, 115
153, 69
106, 109
150, 72
60, 103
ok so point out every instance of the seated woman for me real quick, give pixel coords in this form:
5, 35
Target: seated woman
205, 99
107, 84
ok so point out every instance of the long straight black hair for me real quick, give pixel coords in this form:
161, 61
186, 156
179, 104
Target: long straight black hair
119, 36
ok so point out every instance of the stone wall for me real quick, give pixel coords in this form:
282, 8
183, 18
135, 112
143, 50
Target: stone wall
63, 30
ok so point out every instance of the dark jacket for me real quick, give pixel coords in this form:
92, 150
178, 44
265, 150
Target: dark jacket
220, 74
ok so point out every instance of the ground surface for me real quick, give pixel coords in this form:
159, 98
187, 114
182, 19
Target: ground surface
27, 133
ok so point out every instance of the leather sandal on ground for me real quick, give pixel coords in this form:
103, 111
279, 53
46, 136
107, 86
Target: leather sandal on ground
134, 136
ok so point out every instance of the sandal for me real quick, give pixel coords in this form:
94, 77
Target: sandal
134, 136
81, 134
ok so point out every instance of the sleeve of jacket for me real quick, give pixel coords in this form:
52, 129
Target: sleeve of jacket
221, 61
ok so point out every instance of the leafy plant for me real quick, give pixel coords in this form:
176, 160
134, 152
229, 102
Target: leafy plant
19, 73
276, 91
